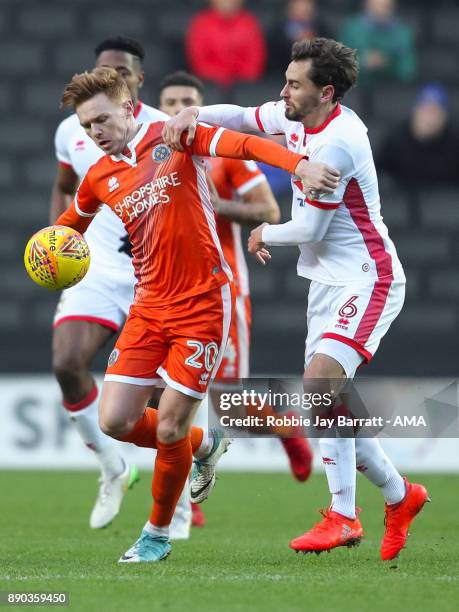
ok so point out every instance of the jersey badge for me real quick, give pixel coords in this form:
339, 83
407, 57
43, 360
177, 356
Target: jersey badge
113, 184
113, 357
160, 153
293, 141
79, 145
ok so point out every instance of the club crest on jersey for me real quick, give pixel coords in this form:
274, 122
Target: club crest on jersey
79, 146
113, 357
113, 184
160, 153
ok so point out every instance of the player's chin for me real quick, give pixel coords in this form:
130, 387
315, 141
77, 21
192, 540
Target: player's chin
290, 113
107, 147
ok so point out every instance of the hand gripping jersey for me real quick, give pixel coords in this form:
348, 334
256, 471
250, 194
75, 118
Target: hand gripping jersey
356, 246
232, 179
162, 199
74, 148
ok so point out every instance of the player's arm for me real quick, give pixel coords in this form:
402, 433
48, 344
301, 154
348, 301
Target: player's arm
64, 188
82, 209
255, 203
66, 180
312, 217
219, 142
229, 116
268, 118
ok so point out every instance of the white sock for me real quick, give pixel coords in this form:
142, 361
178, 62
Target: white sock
86, 422
183, 508
338, 456
205, 446
373, 463
156, 531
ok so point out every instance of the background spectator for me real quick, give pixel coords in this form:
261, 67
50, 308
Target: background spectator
423, 152
384, 42
225, 44
300, 22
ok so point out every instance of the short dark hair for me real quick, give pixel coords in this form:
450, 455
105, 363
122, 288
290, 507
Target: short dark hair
181, 78
332, 63
121, 43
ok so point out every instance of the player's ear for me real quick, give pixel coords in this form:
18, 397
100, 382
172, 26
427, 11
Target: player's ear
128, 106
327, 93
141, 79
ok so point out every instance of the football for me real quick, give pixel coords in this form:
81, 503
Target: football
57, 257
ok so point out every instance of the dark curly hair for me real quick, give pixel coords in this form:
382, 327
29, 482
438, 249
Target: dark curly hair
121, 43
332, 63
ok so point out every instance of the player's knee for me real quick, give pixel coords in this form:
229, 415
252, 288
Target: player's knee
170, 430
114, 427
68, 367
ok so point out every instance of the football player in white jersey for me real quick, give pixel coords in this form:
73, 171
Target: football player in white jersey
90, 313
358, 284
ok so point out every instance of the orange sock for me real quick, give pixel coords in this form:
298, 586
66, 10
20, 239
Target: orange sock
196, 436
172, 466
144, 432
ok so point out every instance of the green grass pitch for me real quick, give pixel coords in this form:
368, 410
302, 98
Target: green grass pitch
239, 562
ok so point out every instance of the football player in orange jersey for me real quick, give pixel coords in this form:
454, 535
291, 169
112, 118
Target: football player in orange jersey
242, 196
90, 313
178, 325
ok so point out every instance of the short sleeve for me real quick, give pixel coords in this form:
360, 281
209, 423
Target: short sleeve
86, 202
243, 175
61, 144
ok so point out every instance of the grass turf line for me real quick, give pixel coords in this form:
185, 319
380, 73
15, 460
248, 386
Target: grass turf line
239, 562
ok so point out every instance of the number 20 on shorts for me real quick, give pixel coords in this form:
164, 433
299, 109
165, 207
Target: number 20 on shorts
204, 355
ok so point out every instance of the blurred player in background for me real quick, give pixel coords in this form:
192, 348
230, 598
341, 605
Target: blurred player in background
89, 314
242, 196
179, 322
358, 284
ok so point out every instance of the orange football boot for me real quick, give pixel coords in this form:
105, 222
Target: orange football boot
197, 516
333, 531
399, 518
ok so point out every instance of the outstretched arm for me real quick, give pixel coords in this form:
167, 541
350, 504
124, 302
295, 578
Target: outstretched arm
226, 115
317, 177
82, 209
311, 219
226, 143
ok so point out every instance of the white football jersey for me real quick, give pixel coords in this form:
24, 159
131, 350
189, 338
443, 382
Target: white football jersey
356, 246
106, 233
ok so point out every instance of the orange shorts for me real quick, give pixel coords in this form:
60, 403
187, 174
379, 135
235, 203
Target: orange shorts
235, 362
183, 344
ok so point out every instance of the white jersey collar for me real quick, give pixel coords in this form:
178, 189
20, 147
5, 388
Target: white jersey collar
131, 145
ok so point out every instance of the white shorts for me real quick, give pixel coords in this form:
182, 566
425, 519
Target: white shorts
98, 298
347, 323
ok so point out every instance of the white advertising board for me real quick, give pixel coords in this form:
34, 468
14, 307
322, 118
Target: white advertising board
35, 433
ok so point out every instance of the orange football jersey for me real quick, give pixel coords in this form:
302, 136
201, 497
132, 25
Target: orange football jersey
163, 200
233, 178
